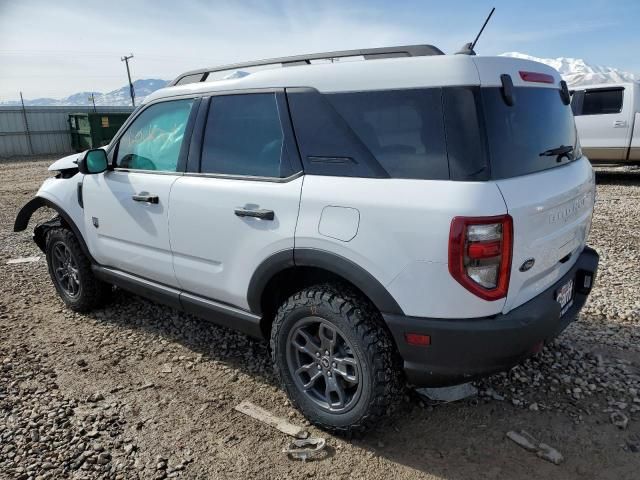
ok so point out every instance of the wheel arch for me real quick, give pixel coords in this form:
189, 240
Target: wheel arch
290, 270
39, 234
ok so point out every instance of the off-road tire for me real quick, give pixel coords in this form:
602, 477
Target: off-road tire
92, 293
362, 325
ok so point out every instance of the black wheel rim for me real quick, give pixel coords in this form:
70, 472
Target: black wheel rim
65, 269
323, 364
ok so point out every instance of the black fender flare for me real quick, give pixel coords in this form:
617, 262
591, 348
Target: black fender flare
332, 262
25, 213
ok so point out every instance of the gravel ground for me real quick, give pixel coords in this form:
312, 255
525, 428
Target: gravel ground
137, 390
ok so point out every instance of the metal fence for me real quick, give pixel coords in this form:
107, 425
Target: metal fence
40, 130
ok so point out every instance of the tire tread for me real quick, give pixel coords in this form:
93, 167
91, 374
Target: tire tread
95, 293
368, 325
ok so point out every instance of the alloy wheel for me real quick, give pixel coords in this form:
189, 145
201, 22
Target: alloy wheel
65, 269
324, 365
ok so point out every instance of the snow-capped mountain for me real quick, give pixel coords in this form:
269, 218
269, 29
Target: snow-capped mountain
576, 71
119, 97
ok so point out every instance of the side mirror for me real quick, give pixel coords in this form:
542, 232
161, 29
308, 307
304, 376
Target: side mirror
94, 161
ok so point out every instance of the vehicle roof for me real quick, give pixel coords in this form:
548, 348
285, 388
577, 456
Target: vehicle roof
604, 85
379, 74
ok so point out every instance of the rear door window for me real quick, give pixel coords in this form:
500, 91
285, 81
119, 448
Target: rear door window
598, 101
244, 136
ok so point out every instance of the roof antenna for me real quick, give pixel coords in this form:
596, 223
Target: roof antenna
467, 49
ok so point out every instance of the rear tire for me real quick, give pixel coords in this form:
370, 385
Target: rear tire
335, 359
70, 271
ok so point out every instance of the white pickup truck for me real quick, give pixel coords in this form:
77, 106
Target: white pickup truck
608, 121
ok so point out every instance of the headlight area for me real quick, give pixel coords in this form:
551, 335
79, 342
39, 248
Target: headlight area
66, 173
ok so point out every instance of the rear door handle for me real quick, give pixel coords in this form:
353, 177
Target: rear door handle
145, 197
619, 124
262, 214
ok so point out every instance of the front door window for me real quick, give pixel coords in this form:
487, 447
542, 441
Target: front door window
154, 140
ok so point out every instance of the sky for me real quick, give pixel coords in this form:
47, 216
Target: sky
55, 48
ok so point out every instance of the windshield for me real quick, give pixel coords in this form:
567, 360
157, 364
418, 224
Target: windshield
537, 133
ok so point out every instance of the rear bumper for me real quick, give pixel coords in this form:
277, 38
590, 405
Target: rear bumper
464, 349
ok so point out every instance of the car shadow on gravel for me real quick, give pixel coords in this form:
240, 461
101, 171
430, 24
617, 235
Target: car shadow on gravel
455, 441
203, 338
614, 176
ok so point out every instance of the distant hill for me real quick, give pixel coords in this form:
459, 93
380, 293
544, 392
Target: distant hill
576, 71
119, 97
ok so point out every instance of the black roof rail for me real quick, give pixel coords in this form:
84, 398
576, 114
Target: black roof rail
201, 74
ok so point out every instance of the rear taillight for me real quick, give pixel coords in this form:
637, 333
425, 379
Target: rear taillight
480, 254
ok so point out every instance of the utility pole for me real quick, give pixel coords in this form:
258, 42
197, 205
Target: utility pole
93, 99
26, 124
125, 59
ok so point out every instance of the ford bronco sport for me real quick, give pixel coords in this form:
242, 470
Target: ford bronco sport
392, 215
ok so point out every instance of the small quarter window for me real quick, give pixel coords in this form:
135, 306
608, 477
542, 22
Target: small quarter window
403, 129
154, 139
244, 136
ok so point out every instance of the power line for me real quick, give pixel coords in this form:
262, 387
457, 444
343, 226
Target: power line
65, 53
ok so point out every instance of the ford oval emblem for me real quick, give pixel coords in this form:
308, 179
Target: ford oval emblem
527, 264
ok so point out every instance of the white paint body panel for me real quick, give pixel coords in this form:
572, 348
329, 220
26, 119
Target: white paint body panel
551, 213
635, 140
392, 73
403, 236
70, 161
64, 193
490, 69
132, 236
396, 73
340, 223
217, 252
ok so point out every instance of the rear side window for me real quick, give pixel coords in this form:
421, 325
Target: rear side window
403, 129
597, 102
244, 136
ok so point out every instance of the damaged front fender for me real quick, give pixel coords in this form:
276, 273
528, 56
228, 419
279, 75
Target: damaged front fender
25, 213
40, 231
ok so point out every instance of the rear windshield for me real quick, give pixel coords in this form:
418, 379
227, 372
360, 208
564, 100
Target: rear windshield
526, 137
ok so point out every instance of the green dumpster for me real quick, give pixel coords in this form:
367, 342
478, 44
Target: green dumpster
94, 129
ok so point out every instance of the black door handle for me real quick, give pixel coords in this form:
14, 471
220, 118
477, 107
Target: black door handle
145, 198
262, 214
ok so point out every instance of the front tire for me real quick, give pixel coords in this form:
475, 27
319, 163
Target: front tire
334, 358
70, 271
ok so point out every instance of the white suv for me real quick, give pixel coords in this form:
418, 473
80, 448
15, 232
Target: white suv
411, 216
